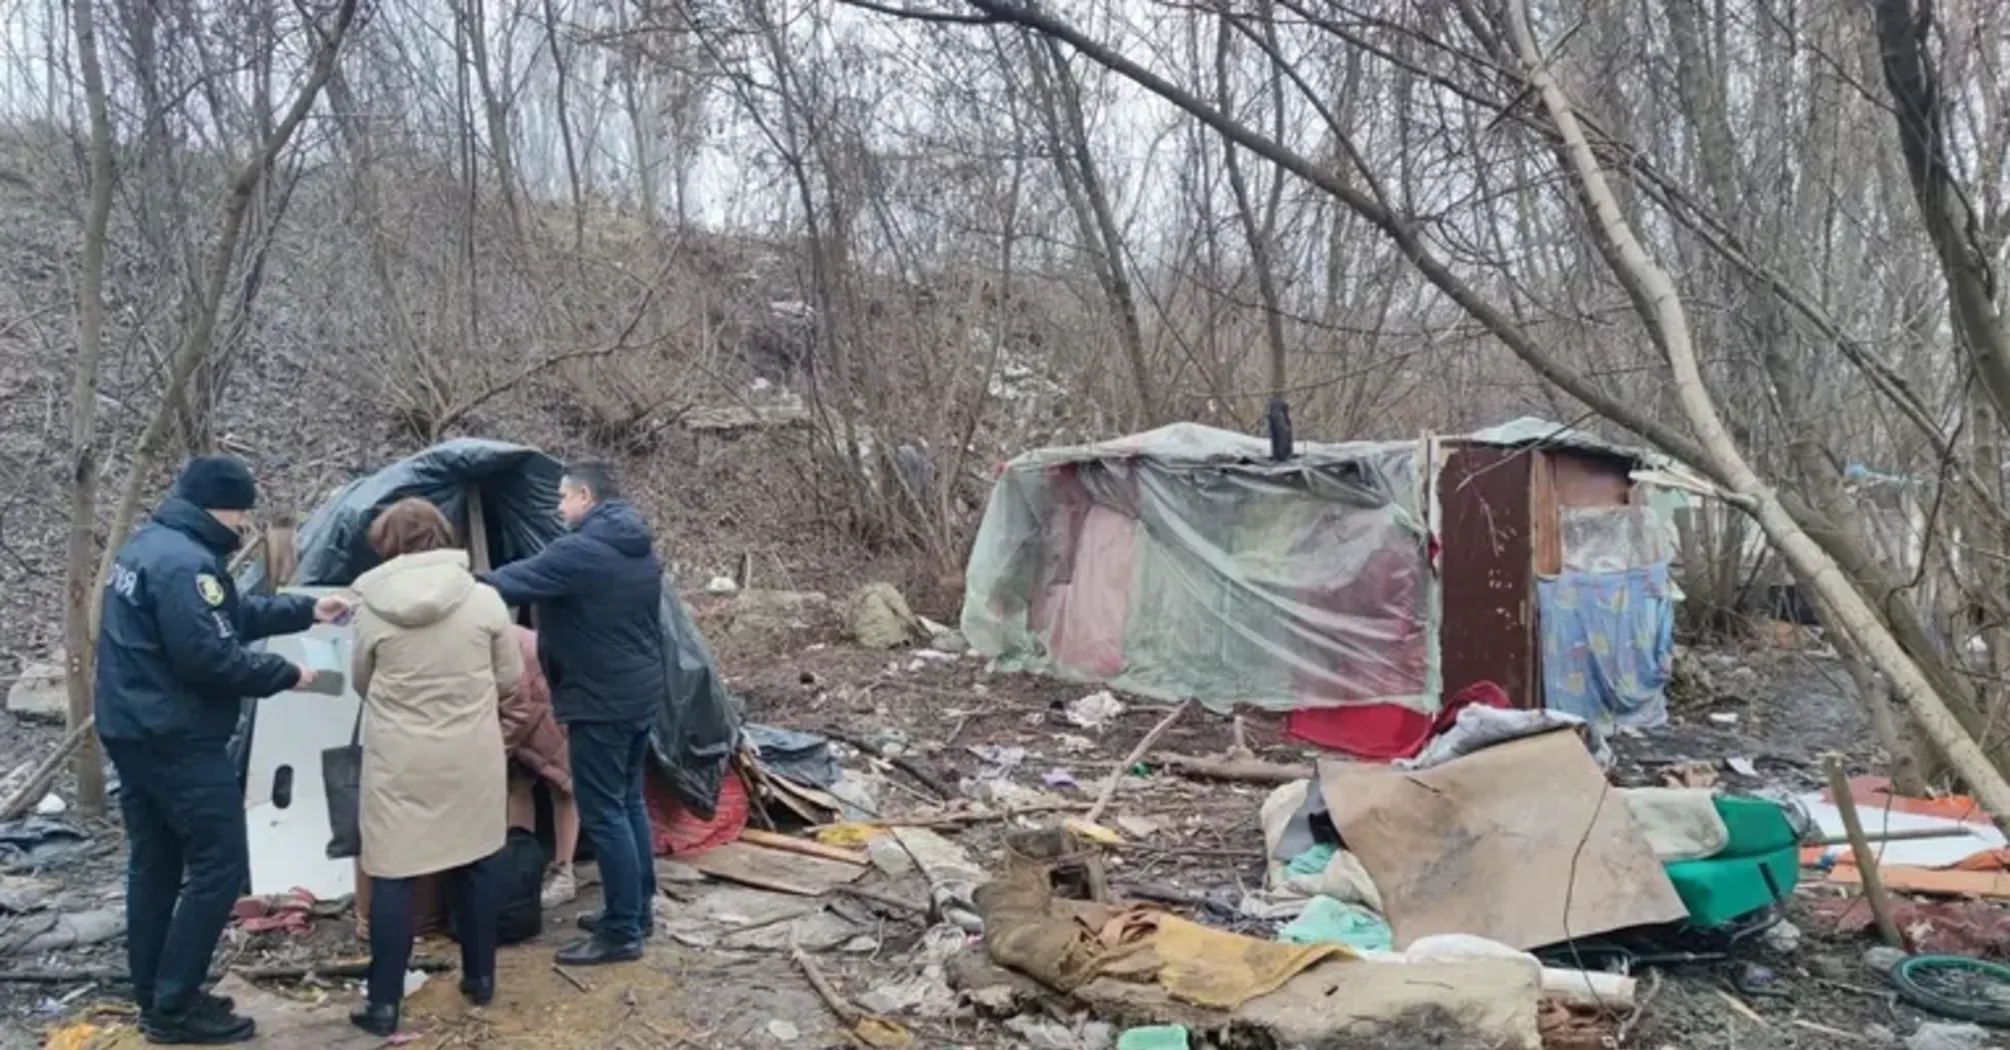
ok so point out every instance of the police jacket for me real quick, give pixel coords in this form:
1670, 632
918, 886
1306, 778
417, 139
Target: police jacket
600, 641
172, 662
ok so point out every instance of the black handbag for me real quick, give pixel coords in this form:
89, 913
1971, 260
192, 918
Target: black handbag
342, 779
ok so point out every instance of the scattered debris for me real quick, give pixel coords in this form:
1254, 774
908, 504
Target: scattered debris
1947, 1035
952, 877
869, 1029
1154, 1037
40, 693
1096, 710
21, 894
81, 1036
1882, 959
783, 1032
721, 585
1782, 938
1139, 827
754, 611
289, 912
55, 931
880, 618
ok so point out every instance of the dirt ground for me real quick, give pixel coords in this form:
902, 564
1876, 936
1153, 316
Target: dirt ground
1205, 850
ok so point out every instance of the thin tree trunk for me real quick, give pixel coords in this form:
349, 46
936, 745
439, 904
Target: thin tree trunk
1670, 322
1257, 231
1904, 31
1061, 95
200, 335
80, 546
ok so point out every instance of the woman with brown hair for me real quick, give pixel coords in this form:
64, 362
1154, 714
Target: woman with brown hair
435, 650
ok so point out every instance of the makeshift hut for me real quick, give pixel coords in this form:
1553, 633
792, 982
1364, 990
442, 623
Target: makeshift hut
503, 499
1369, 588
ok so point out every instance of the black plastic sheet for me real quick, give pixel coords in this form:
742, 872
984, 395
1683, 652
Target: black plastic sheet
698, 723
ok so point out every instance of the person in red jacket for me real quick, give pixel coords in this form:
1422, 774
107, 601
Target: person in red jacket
538, 751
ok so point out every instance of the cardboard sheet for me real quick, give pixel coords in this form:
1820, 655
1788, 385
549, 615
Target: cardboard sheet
771, 869
1523, 843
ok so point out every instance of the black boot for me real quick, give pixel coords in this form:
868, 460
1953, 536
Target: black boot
199, 1025
480, 991
598, 951
206, 1002
378, 1019
591, 924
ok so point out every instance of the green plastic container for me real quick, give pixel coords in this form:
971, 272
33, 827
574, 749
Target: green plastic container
1733, 883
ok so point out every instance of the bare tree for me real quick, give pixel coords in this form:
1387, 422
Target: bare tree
78, 563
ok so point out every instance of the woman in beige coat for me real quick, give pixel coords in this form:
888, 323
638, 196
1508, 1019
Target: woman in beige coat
434, 650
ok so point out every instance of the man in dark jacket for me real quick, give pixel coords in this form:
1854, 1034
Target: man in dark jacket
172, 672
599, 595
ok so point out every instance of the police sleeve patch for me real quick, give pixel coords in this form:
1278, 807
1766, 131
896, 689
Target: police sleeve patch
211, 591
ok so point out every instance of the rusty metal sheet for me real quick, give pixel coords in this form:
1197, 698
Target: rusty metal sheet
1487, 565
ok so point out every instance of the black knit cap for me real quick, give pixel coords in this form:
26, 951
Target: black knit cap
217, 483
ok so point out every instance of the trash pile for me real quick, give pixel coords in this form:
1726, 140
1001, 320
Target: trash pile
1498, 890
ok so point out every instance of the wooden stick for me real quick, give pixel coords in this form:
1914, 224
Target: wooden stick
883, 899
571, 979
1866, 861
1900, 835
38, 782
1137, 754
1247, 769
807, 848
900, 762
335, 968
338, 968
845, 1011
961, 820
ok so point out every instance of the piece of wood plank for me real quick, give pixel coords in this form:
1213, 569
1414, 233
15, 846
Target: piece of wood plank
789, 844
771, 869
1932, 882
1244, 769
1866, 861
478, 530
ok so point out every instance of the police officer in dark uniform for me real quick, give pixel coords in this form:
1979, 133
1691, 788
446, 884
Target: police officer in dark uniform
172, 671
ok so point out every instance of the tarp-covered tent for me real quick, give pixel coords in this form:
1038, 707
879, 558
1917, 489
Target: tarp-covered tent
698, 723
1362, 586
1184, 563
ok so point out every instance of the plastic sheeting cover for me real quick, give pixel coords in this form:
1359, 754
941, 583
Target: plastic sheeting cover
697, 725
1183, 563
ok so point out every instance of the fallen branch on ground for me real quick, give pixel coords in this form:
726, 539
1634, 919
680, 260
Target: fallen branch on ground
884, 899
37, 784
295, 972
1137, 754
807, 848
1248, 770
961, 820
571, 979
900, 762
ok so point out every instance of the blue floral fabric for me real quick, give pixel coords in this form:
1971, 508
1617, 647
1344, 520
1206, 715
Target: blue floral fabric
1608, 644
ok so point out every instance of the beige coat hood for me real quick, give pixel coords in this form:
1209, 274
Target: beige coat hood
418, 590
434, 651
